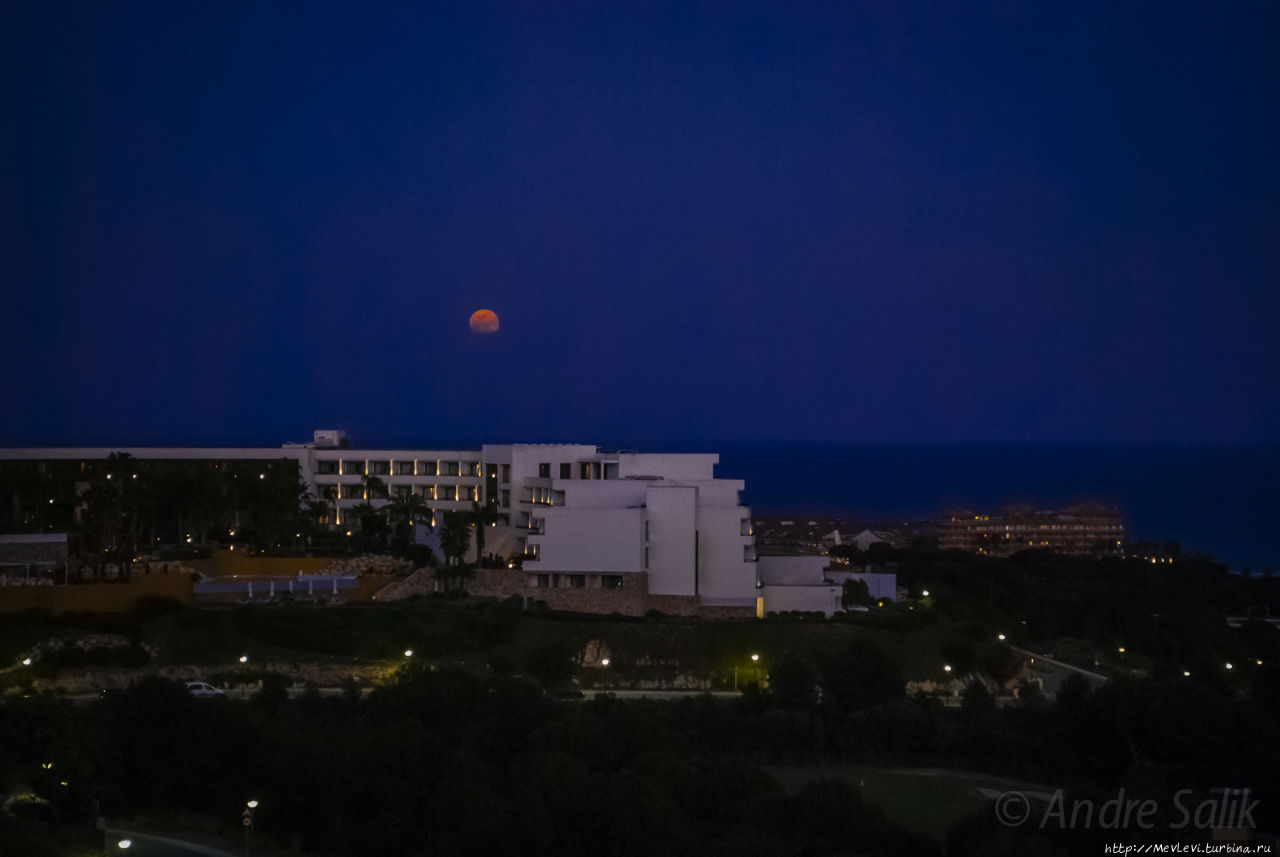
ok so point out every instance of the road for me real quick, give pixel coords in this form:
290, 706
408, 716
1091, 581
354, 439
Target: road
620, 693
1055, 671
148, 845
235, 692
657, 694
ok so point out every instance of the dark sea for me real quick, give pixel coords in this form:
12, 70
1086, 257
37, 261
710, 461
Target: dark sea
1219, 500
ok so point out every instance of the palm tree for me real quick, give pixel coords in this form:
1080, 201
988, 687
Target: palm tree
319, 509
403, 512
481, 517
372, 522
375, 488
455, 538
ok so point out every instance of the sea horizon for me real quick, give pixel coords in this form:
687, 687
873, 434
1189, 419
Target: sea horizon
1211, 498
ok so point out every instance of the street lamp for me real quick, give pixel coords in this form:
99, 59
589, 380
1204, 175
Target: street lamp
124, 844
925, 593
244, 659
26, 662
1000, 637
755, 659
246, 818
946, 667
408, 653
604, 662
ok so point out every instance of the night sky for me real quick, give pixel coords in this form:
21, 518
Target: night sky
1005, 222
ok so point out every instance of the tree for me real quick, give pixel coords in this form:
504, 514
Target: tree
481, 517
373, 522
320, 508
862, 675
855, 593
794, 682
976, 699
455, 538
403, 512
375, 487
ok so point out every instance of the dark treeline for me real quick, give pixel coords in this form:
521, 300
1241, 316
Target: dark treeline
440, 762
446, 762
1172, 615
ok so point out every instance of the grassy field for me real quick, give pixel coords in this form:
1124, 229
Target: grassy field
922, 800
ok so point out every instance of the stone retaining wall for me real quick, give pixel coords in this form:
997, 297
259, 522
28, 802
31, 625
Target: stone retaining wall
630, 599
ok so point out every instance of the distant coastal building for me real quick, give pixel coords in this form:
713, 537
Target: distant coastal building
1086, 529
594, 530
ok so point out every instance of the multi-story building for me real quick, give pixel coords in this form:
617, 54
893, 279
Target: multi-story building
1086, 529
587, 520
595, 530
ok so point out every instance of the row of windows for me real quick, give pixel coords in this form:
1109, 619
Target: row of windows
360, 467
429, 492
586, 470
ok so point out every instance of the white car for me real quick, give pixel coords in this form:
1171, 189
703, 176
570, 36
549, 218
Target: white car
200, 688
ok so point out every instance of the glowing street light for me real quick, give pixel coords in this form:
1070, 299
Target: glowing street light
408, 653
925, 593
946, 667
124, 844
755, 659
246, 818
1229, 665
244, 659
1186, 673
1120, 650
26, 662
1000, 637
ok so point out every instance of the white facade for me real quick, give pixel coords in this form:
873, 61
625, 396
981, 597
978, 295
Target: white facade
804, 583
880, 585
796, 583
580, 511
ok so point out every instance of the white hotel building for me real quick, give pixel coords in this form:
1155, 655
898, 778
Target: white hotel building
600, 531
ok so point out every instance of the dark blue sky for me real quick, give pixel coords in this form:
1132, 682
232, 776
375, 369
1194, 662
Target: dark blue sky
234, 222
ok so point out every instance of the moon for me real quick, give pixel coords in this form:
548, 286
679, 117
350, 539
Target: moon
484, 321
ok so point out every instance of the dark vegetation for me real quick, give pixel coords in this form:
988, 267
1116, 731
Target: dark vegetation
469, 750
176, 510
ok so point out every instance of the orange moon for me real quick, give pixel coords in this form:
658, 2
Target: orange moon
484, 321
